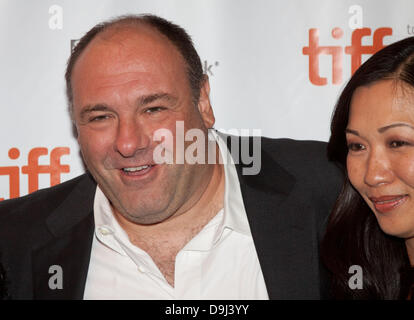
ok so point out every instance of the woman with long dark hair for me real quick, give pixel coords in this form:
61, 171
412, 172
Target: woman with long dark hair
372, 138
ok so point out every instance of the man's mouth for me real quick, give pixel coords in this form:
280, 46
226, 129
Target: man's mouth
388, 203
135, 171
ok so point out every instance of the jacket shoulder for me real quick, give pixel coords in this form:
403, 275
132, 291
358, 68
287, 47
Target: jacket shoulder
295, 148
308, 162
300, 156
38, 203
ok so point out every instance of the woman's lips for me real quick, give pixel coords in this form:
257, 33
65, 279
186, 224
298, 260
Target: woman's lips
388, 203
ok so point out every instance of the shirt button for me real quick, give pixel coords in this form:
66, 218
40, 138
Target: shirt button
104, 231
141, 269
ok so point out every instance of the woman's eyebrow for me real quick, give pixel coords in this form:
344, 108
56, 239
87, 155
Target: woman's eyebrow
352, 131
383, 129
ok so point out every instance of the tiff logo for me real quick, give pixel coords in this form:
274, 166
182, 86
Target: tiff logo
33, 169
355, 50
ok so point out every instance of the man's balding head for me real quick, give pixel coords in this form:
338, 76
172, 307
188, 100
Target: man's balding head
174, 33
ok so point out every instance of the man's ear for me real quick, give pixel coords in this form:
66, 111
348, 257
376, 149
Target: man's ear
204, 106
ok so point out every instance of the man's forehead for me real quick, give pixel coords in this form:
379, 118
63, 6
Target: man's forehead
135, 38
125, 31
122, 45
140, 59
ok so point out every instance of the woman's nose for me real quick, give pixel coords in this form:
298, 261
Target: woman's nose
378, 169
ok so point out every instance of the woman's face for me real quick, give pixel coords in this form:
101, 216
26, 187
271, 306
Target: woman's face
380, 162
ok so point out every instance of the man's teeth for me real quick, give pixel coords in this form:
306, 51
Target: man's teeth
134, 169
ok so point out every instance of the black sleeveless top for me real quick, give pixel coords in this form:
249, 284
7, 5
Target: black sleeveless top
407, 283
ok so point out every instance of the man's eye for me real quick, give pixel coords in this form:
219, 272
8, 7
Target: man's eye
398, 143
98, 118
154, 109
355, 147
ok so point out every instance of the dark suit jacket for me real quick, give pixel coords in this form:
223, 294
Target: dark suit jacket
287, 205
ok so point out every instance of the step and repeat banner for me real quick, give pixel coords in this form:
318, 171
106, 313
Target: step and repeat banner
276, 68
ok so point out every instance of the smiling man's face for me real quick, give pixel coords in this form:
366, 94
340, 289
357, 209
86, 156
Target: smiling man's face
127, 84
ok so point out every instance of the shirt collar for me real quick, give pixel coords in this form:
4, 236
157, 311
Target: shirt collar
106, 223
235, 217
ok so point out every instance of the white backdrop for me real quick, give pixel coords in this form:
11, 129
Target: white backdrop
251, 50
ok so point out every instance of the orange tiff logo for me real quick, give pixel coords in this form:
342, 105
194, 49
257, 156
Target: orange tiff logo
355, 50
33, 169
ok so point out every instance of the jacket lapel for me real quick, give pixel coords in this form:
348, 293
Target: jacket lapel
264, 196
60, 264
281, 245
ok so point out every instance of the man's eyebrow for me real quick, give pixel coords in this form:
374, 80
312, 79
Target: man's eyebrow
141, 101
144, 100
381, 130
92, 108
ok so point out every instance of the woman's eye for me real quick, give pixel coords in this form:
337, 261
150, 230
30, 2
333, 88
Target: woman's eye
398, 143
355, 147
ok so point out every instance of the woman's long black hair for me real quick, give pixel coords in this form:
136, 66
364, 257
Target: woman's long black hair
353, 236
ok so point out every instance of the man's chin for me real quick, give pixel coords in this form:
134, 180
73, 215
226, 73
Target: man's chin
145, 218
137, 214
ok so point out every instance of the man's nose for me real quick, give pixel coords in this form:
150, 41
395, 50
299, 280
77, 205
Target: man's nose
378, 169
131, 138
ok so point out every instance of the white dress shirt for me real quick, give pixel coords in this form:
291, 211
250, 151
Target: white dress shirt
220, 262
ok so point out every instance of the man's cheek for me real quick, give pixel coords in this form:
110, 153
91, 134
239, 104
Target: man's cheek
93, 143
91, 154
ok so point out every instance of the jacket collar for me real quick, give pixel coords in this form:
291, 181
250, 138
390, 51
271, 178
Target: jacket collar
264, 197
65, 256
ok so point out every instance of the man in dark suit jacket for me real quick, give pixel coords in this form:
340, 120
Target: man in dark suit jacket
3, 281
126, 79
